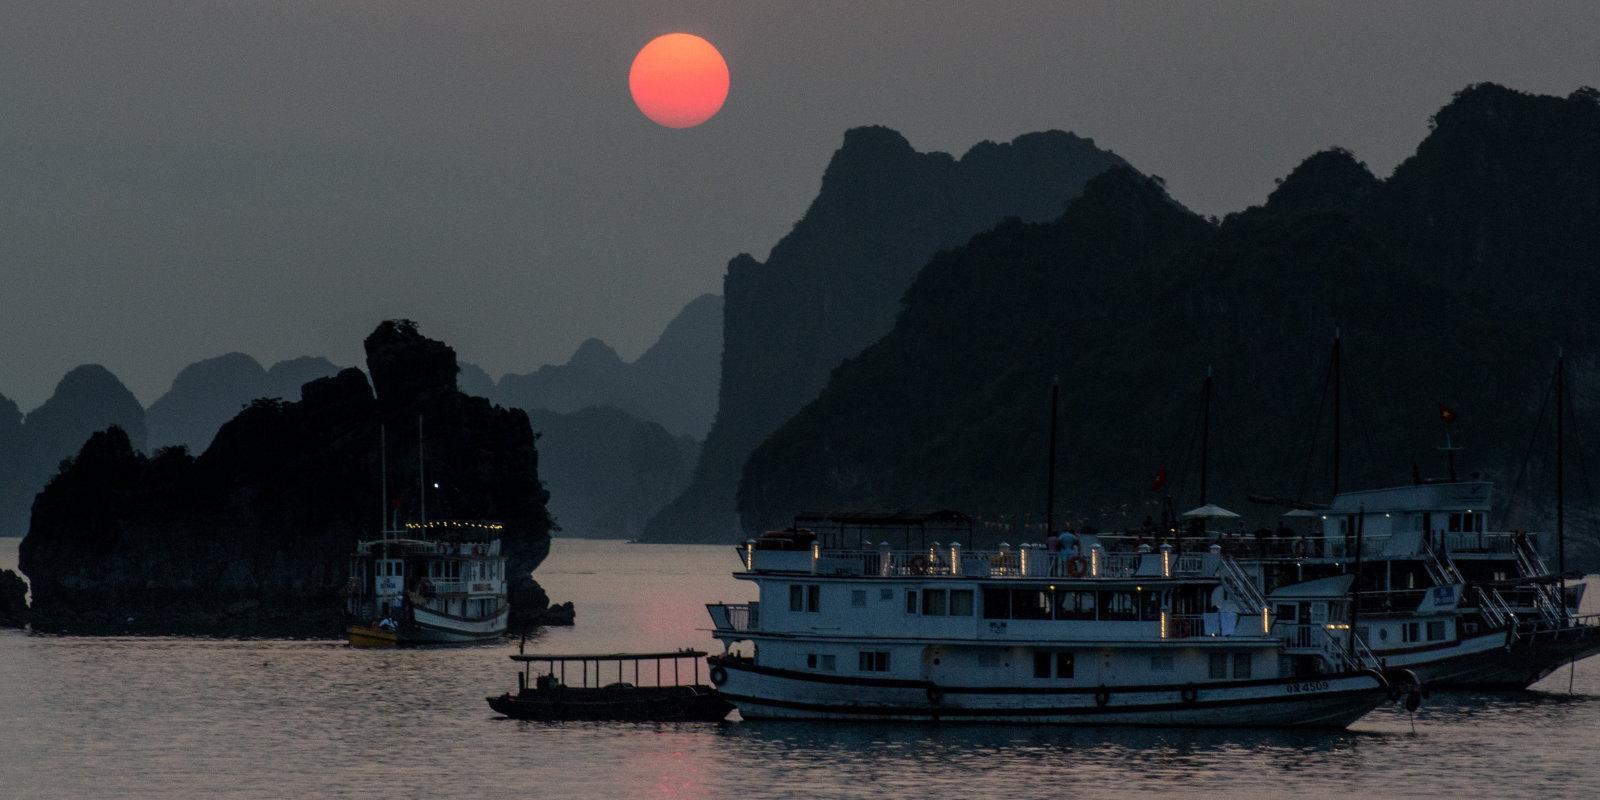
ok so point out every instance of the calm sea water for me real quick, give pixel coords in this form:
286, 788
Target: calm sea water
200, 718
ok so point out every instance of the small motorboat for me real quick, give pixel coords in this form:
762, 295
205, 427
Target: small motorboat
651, 695
376, 635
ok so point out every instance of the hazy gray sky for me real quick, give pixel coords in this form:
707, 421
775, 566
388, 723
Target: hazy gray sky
178, 180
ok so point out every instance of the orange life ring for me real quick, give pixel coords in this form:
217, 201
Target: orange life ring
1077, 566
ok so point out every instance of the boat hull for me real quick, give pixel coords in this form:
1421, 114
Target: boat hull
1322, 701
431, 627
371, 636
633, 704
1491, 662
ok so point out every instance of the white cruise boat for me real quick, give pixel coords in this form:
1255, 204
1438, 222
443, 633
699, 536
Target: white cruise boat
439, 582
1460, 605
938, 632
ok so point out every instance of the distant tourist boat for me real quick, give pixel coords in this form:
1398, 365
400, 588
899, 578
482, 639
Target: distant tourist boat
428, 582
439, 582
655, 693
1462, 605
934, 632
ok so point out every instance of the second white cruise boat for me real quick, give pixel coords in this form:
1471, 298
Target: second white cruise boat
937, 632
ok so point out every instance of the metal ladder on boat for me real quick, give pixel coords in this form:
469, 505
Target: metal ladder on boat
1441, 570
1494, 608
1239, 585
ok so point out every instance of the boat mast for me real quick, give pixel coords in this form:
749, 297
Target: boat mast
383, 483
1205, 439
422, 479
1355, 581
1050, 490
1561, 485
1336, 381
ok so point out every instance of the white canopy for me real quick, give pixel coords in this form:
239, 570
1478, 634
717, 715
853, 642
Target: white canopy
1208, 510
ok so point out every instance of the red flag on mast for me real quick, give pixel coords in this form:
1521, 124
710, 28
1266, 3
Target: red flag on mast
1446, 415
1160, 481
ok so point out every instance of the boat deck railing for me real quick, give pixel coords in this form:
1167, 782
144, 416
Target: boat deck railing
594, 671
1025, 561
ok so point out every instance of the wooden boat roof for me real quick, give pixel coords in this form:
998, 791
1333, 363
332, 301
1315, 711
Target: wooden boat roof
609, 656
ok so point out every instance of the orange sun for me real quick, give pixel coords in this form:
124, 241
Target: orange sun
679, 80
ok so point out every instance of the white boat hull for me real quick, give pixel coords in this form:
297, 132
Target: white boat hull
1332, 701
431, 627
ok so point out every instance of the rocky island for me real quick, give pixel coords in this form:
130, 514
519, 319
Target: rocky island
252, 536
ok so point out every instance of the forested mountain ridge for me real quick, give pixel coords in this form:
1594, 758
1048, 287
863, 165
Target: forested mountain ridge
1455, 280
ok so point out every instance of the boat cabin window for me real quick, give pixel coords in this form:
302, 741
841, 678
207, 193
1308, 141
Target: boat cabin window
872, 661
1118, 605
1286, 612
1410, 632
821, 661
911, 601
1436, 630
1219, 666
1030, 604
1045, 660
858, 598
1241, 666
1466, 522
942, 602
805, 597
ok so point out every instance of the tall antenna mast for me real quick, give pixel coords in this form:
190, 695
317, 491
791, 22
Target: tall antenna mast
1205, 440
1561, 485
1050, 489
421, 465
383, 483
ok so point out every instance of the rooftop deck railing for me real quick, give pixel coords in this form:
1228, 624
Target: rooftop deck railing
1028, 561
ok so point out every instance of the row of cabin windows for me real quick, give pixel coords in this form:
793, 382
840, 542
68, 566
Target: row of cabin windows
1411, 631
866, 661
1219, 665
941, 602
1120, 604
448, 570
1117, 604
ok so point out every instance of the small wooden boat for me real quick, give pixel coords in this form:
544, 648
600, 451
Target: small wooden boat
373, 636
648, 697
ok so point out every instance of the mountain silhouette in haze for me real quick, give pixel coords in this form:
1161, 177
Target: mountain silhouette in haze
1455, 280
207, 393
673, 383
88, 398
253, 535
608, 471
832, 285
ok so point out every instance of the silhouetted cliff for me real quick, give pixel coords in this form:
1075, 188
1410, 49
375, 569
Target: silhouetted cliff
253, 535
674, 383
608, 471
87, 399
1454, 281
207, 393
832, 285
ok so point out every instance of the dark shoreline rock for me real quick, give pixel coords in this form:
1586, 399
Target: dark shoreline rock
253, 536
